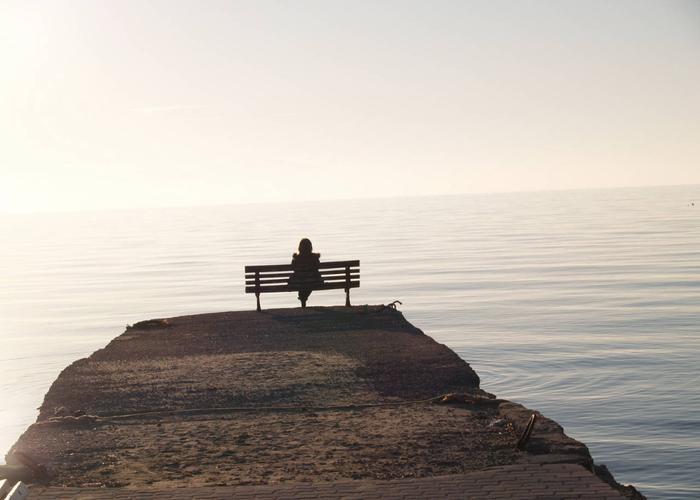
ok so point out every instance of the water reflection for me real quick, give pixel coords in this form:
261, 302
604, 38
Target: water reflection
583, 305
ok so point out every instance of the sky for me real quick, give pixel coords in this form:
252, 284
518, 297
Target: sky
128, 104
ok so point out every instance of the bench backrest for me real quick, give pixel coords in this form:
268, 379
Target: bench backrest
344, 274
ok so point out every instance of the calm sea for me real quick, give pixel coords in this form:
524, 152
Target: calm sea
582, 304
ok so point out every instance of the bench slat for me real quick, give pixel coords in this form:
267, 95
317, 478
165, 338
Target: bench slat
265, 280
287, 274
310, 282
334, 274
288, 267
324, 272
339, 263
277, 267
286, 288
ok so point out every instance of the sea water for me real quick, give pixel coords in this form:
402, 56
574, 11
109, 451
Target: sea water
584, 305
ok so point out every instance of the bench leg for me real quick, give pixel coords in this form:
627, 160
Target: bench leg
347, 297
257, 299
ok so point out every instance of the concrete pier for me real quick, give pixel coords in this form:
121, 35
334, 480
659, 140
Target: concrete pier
308, 403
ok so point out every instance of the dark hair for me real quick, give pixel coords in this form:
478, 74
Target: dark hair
305, 246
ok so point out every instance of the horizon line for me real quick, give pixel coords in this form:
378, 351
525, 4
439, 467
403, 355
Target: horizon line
60, 211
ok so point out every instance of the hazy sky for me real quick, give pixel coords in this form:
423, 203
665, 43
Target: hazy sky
161, 103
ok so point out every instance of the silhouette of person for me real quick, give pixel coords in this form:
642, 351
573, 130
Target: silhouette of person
305, 274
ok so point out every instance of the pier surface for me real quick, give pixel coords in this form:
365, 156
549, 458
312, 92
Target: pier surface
511, 482
315, 398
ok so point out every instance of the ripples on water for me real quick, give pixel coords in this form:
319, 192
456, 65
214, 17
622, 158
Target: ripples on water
582, 304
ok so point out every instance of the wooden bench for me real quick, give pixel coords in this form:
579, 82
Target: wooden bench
343, 274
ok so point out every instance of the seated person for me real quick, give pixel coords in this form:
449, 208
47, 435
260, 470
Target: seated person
306, 274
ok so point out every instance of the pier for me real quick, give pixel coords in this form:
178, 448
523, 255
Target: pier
322, 402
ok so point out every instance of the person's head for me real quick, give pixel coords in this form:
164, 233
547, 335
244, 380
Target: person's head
305, 246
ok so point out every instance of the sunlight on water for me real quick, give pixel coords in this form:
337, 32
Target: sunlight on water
583, 304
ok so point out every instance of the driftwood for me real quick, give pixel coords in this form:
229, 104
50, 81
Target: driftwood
22, 467
151, 324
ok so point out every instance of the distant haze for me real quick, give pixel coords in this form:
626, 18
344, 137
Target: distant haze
109, 104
